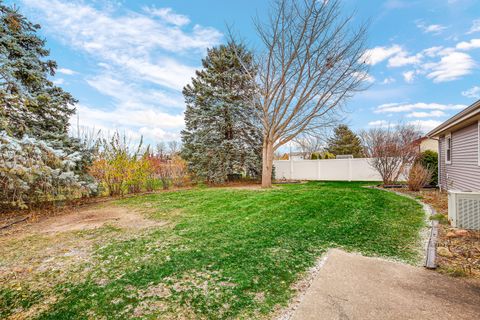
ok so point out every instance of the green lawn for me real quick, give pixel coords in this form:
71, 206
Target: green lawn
230, 253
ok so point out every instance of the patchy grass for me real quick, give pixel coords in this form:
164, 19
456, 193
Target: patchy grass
441, 218
225, 253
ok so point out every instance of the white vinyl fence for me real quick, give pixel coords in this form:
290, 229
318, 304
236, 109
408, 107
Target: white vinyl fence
331, 169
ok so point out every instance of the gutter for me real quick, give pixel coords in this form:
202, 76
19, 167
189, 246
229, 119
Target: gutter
463, 115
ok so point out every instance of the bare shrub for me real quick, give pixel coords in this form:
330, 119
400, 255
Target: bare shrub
418, 177
179, 171
391, 150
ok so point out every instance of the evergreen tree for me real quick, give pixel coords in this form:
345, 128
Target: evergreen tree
30, 103
345, 141
38, 159
221, 137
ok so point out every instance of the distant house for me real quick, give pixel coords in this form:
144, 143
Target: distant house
426, 143
459, 146
300, 156
344, 156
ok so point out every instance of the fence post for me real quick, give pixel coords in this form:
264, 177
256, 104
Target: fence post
349, 169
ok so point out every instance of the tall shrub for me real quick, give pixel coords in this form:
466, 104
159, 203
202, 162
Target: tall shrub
418, 177
429, 159
117, 168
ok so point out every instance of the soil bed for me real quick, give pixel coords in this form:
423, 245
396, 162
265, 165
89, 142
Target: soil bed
458, 251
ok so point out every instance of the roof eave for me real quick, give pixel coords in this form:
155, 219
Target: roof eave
471, 111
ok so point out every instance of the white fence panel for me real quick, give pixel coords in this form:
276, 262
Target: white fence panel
329, 169
305, 169
335, 169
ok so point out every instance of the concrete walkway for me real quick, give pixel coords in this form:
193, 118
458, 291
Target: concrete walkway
351, 286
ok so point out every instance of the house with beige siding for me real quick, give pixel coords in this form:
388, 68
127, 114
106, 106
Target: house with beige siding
459, 150
426, 144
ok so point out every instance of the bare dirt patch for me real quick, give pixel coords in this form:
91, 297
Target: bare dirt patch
93, 218
44, 251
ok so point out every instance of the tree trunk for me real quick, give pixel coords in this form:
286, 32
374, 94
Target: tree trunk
267, 163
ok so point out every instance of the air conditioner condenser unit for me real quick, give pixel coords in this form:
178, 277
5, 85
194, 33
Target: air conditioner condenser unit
464, 209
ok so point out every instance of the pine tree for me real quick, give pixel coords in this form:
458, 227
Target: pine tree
345, 141
221, 137
30, 103
39, 161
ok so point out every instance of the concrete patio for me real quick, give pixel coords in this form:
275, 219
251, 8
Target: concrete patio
350, 286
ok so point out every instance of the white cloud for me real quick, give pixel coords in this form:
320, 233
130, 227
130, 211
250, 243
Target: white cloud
425, 125
136, 121
158, 134
379, 54
452, 65
169, 16
139, 110
402, 59
396, 4
408, 107
434, 113
388, 80
437, 63
475, 26
379, 123
144, 59
58, 81
432, 51
364, 76
139, 44
66, 71
431, 28
468, 45
168, 73
124, 93
409, 76
129, 116
473, 92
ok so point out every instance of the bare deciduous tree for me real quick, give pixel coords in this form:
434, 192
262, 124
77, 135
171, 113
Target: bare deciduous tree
391, 150
313, 61
309, 144
174, 147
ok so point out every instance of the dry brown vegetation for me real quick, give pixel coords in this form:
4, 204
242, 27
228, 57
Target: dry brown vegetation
461, 256
418, 177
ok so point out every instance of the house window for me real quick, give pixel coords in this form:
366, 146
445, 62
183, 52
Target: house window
448, 149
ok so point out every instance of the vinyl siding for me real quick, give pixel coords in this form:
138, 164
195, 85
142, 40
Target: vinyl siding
464, 172
442, 178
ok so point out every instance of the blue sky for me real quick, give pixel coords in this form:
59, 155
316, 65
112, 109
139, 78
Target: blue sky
127, 61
